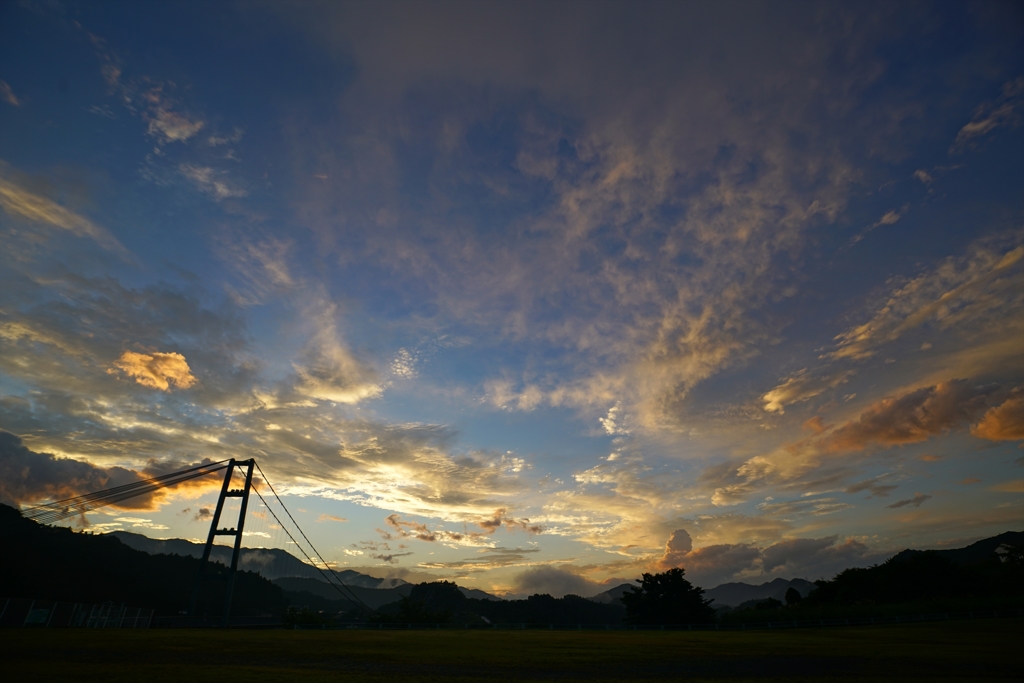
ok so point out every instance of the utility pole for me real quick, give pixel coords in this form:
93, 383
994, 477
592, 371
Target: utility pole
226, 492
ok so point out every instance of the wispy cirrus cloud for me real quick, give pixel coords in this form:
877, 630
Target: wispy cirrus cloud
214, 183
22, 203
8, 96
1004, 111
980, 287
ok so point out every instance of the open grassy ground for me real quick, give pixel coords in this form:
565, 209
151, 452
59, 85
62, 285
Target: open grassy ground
950, 651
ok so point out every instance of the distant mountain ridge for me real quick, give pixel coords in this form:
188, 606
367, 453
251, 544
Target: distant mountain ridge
727, 594
270, 563
735, 594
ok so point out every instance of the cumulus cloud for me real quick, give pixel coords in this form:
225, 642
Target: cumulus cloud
556, 581
813, 556
157, 370
714, 564
679, 545
1004, 422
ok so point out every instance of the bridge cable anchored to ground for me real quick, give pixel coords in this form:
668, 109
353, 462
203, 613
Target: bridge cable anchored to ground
51, 513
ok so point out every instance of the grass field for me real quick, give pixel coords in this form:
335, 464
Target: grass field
950, 651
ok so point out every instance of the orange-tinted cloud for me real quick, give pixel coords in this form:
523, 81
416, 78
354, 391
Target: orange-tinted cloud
1004, 422
677, 547
913, 417
330, 518
156, 370
27, 477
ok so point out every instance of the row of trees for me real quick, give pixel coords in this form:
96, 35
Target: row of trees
669, 598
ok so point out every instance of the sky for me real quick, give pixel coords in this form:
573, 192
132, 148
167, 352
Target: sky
534, 297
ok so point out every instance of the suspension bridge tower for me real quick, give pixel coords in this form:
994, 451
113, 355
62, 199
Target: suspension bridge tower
245, 468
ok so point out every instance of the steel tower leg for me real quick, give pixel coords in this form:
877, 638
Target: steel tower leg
225, 492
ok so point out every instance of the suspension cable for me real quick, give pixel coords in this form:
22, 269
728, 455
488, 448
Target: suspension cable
352, 597
285, 508
71, 507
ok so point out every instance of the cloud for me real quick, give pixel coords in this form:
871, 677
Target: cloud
410, 529
804, 506
324, 517
1004, 422
218, 140
643, 330
202, 515
404, 364
390, 558
327, 370
1015, 486
915, 501
912, 417
811, 556
977, 291
714, 564
991, 115
890, 218
803, 386
8, 95
166, 124
157, 370
556, 582
22, 203
211, 181
679, 545
872, 485
28, 477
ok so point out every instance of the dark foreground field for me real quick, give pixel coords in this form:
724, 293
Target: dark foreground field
958, 651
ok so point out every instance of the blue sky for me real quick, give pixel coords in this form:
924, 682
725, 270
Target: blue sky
535, 296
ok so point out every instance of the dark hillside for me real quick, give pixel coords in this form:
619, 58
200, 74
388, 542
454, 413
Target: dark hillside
928, 575
55, 563
979, 552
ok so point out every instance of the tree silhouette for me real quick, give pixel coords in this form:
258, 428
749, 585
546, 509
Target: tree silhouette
793, 596
667, 598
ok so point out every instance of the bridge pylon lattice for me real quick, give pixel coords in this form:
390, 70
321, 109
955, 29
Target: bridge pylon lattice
246, 467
